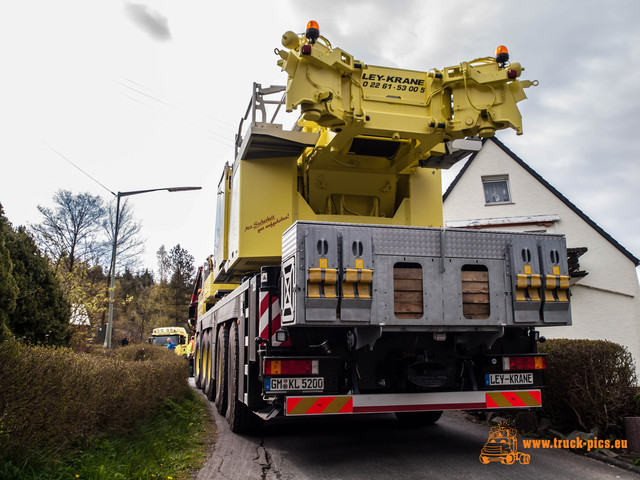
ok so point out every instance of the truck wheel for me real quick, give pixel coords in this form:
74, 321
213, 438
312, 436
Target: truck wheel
484, 460
204, 353
221, 366
209, 390
419, 418
197, 362
524, 458
238, 415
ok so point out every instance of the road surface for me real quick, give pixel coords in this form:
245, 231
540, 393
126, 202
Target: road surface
370, 447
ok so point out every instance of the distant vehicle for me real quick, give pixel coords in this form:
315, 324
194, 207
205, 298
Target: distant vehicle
178, 336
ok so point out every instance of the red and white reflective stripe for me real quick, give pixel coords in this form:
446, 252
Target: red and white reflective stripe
515, 399
276, 323
411, 402
319, 405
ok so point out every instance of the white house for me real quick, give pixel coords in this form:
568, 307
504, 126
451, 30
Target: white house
496, 190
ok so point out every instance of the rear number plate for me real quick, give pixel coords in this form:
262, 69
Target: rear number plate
285, 384
499, 379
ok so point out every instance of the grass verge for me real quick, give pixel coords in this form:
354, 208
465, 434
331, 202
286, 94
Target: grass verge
170, 444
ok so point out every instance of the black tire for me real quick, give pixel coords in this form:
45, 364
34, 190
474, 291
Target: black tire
210, 390
239, 417
203, 361
197, 361
221, 367
419, 418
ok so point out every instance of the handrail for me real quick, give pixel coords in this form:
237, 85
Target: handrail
258, 102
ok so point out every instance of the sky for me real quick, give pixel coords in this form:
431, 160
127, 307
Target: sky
108, 95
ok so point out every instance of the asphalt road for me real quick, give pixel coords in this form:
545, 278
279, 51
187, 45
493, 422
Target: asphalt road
378, 447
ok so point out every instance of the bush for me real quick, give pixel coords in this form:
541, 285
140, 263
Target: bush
590, 384
55, 399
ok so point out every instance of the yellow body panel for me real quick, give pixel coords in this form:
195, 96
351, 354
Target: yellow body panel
426, 198
263, 198
211, 292
221, 252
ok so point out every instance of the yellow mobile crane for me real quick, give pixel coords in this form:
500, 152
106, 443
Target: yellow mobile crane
333, 287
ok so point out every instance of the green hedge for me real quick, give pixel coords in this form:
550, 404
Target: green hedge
55, 399
590, 384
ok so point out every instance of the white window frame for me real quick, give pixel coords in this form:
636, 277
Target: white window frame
496, 179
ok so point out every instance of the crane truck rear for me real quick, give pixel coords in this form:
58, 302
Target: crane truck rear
333, 288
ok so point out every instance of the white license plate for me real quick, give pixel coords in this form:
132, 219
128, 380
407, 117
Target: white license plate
284, 384
498, 379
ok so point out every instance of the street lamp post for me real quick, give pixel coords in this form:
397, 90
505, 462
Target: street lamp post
108, 333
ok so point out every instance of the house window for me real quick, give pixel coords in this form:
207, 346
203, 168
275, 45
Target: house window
496, 190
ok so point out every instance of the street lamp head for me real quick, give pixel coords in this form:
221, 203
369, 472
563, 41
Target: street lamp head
183, 189
169, 189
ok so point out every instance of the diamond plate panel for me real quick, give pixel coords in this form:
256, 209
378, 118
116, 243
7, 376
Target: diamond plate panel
419, 245
406, 241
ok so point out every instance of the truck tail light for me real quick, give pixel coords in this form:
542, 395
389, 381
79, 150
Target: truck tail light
290, 367
524, 363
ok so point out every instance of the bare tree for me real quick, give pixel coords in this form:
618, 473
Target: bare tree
80, 228
68, 232
130, 244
